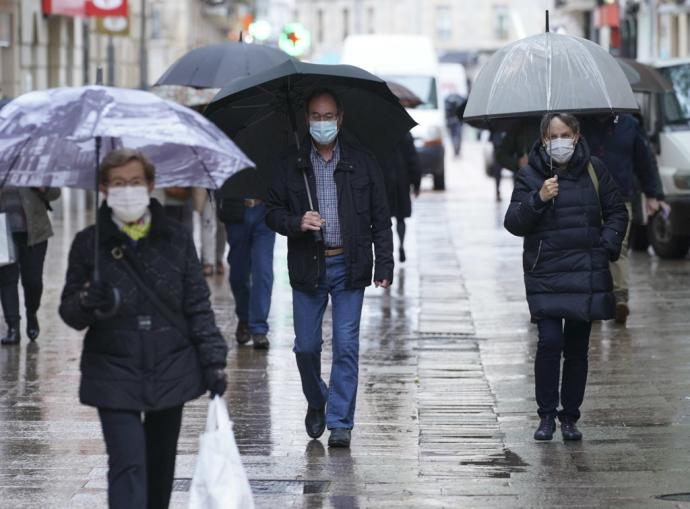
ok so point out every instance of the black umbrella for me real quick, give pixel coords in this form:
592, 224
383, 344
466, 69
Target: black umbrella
644, 78
217, 65
265, 113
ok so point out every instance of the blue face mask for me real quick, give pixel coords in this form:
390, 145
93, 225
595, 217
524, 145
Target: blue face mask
324, 131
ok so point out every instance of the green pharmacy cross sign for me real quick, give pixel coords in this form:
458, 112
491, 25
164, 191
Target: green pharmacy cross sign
295, 39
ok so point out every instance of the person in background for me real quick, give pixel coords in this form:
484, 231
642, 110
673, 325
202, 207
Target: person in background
250, 260
212, 237
402, 175
330, 255
618, 140
177, 205
153, 348
27, 214
573, 219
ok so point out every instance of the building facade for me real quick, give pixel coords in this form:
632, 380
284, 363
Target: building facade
40, 51
453, 25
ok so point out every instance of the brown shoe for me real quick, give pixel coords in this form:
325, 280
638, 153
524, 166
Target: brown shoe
220, 268
622, 312
207, 270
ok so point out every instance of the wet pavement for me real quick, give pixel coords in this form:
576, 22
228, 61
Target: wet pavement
445, 408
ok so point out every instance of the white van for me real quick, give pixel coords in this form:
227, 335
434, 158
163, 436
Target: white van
411, 61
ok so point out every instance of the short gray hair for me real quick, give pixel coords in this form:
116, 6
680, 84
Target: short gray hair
568, 119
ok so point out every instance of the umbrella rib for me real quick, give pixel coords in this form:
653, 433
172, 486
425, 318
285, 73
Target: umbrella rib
599, 78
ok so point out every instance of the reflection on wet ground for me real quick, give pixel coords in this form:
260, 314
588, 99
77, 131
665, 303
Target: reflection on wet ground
445, 406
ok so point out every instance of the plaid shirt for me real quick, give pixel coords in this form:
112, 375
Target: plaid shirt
327, 194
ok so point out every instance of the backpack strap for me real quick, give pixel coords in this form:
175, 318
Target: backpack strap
595, 182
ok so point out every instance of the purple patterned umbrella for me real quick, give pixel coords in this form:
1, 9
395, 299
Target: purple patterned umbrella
48, 138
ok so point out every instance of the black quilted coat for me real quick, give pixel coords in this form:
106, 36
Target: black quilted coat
567, 249
137, 360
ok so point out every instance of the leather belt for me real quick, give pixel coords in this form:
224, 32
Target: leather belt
336, 251
250, 203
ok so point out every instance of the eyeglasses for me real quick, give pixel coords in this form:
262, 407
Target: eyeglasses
135, 182
317, 117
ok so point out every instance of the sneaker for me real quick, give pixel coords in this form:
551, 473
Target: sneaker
260, 341
622, 312
570, 431
242, 334
547, 425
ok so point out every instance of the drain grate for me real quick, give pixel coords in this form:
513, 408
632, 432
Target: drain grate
675, 497
270, 486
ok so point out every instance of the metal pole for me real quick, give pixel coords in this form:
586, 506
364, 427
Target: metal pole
99, 141
85, 50
111, 61
143, 55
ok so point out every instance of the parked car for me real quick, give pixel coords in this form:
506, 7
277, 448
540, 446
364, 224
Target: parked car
411, 61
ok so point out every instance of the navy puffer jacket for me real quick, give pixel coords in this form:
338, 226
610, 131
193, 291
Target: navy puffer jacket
567, 249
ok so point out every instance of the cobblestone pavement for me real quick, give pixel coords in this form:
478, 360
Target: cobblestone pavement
445, 409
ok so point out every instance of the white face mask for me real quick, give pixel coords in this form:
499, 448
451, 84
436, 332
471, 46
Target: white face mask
129, 203
560, 149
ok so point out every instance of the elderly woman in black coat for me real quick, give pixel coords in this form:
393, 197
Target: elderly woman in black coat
152, 343
567, 207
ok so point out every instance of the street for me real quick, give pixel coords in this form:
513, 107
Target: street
446, 407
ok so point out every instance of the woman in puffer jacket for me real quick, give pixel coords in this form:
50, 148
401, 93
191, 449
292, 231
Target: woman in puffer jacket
567, 207
145, 356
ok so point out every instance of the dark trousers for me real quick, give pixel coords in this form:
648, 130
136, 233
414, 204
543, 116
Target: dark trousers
30, 266
141, 456
570, 340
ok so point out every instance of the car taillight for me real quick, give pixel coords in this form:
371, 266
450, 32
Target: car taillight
433, 143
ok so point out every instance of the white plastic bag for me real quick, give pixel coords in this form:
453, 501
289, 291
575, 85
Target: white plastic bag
220, 481
7, 254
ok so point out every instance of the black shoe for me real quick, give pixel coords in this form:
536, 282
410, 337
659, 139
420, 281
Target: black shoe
401, 255
242, 334
622, 312
13, 335
315, 421
260, 341
340, 437
570, 431
32, 327
547, 426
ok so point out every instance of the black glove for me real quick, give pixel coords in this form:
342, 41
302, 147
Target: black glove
215, 380
97, 295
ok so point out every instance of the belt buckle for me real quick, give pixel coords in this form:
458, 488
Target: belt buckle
144, 322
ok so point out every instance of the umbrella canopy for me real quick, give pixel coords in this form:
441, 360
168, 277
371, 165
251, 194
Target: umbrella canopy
644, 78
47, 138
548, 72
217, 65
406, 96
265, 113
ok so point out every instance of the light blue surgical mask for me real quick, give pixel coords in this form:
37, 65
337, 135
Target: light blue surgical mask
323, 131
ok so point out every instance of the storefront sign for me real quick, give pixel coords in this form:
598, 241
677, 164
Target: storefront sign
103, 8
64, 7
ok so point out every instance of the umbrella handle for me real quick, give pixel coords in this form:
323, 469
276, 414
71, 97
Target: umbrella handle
318, 236
117, 301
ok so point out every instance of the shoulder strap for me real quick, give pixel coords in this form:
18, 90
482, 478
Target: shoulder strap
593, 176
595, 181
131, 265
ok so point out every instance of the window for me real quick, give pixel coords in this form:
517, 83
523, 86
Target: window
346, 22
319, 25
5, 30
501, 22
155, 24
444, 23
371, 21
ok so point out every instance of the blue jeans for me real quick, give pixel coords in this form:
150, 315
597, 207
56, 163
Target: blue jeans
569, 339
251, 268
308, 308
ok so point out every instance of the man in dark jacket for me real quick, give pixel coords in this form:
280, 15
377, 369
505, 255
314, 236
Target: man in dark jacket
330, 226
620, 144
142, 359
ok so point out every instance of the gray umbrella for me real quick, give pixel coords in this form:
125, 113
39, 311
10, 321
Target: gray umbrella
548, 72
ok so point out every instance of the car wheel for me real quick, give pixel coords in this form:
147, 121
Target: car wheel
665, 244
639, 241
